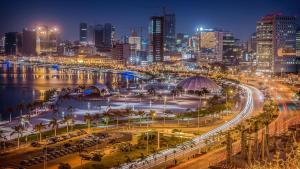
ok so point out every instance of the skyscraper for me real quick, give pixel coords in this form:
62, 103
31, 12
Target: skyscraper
29, 42
13, 43
298, 42
108, 35
230, 49
169, 31
209, 45
275, 35
83, 33
156, 38
46, 40
99, 37
91, 35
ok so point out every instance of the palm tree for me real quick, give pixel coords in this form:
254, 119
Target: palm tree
38, 128
64, 166
19, 131
54, 125
106, 118
2, 139
141, 114
117, 114
96, 117
9, 110
21, 108
178, 117
68, 120
129, 113
88, 119
152, 114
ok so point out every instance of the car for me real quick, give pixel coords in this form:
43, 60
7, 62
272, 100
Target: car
35, 144
25, 163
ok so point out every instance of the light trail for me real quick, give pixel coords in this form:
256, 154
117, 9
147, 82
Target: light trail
168, 154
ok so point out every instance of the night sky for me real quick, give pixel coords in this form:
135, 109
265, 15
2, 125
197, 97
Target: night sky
238, 16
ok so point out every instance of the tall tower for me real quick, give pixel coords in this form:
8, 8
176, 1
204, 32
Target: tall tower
275, 35
298, 42
169, 31
156, 39
83, 33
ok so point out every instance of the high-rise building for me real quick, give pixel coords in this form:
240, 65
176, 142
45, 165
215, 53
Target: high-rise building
209, 45
99, 37
298, 42
46, 40
91, 35
121, 52
251, 44
169, 31
156, 38
135, 48
83, 33
231, 50
29, 42
275, 35
108, 35
13, 43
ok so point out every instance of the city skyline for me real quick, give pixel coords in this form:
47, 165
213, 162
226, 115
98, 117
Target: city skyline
189, 15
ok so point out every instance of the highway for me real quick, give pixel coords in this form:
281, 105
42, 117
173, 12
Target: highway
198, 142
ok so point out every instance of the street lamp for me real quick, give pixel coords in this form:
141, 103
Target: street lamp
165, 100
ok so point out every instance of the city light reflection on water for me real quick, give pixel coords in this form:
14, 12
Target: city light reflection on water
24, 84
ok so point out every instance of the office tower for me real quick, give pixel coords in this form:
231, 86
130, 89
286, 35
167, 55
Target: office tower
13, 43
99, 37
231, 50
275, 34
252, 43
108, 35
83, 33
156, 38
29, 42
298, 42
121, 52
135, 47
209, 45
113, 36
91, 35
46, 40
2, 44
135, 41
169, 31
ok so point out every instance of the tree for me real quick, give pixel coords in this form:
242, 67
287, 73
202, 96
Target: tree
9, 110
242, 130
152, 114
129, 113
3, 139
96, 117
64, 166
38, 128
141, 114
54, 125
19, 131
106, 118
21, 108
229, 148
88, 119
68, 120
117, 114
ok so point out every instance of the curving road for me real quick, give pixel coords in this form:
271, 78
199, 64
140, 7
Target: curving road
166, 155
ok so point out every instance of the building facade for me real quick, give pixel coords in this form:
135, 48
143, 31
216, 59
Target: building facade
209, 45
156, 39
298, 42
29, 42
83, 33
276, 38
169, 32
46, 40
13, 43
